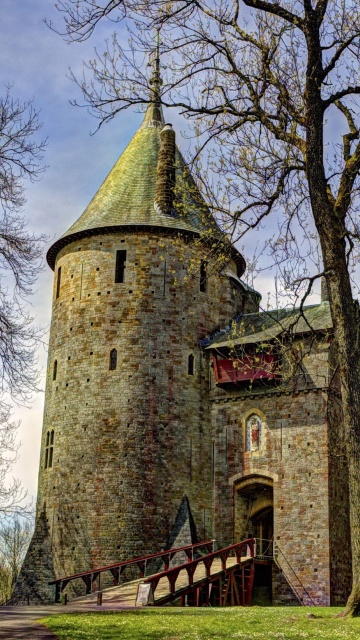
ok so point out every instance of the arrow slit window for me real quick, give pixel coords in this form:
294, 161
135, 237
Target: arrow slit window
113, 360
120, 266
203, 276
191, 365
58, 282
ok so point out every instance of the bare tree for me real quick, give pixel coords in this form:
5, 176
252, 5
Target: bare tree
11, 493
20, 260
272, 89
15, 536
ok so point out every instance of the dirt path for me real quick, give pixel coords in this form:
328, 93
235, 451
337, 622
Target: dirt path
19, 622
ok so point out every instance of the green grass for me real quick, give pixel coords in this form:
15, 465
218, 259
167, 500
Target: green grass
253, 623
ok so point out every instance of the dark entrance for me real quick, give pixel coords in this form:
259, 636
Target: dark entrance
262, 589
263, 530
254, 518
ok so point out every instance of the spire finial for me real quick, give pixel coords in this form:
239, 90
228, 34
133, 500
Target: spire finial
155, 80
154, 115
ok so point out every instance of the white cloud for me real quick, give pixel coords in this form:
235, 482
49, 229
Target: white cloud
36, 60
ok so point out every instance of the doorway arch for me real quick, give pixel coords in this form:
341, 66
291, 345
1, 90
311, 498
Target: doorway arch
254, 510
254, 518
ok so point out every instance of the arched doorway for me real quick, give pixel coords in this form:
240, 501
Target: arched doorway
254, 518
253, 507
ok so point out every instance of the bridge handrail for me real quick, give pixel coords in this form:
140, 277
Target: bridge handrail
141, 559
190, 567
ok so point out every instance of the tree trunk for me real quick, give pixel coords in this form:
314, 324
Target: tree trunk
344, 310
345, 317
346, 325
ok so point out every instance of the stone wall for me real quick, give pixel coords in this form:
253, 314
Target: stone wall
293, 460
149, 454
130, 443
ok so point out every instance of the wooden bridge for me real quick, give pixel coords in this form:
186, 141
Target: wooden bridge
209, 577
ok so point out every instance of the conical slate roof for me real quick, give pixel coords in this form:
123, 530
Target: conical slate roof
127, 195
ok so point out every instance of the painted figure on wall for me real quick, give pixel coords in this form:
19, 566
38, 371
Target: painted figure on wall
253, 433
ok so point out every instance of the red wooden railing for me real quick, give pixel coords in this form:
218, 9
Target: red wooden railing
242, 550
89, 577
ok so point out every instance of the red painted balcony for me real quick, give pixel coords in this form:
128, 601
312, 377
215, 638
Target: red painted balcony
248, 367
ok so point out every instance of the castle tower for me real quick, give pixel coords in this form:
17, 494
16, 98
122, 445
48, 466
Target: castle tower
126, 456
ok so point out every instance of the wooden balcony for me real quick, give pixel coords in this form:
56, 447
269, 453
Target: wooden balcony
247, 367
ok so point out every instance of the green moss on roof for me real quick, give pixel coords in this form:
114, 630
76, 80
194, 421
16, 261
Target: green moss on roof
126, 197
265, 326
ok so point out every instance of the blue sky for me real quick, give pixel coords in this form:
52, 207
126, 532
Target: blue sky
36, 61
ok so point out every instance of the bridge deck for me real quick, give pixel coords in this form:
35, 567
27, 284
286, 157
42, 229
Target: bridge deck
125, 594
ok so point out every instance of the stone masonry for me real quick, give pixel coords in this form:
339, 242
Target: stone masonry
126, 445
298, 472
158, 430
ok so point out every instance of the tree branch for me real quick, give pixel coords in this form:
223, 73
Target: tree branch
351, 170
340, 94
276, 10
343, 47
354, 131
79, 26
321, 7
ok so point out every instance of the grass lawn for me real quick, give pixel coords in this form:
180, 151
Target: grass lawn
253, 623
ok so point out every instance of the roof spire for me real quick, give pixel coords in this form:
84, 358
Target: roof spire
155, 80
154, 115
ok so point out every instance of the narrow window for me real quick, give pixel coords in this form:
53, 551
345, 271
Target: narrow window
55, 370
58, 282
120, 266
49, 449
191, 365
190, 460
113, 360
203, 276
213, 463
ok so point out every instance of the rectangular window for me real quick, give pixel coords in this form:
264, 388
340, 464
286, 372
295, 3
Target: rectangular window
191, 365
120, 266
203, 276
190, 460
213, 463
58, 282
49, 449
